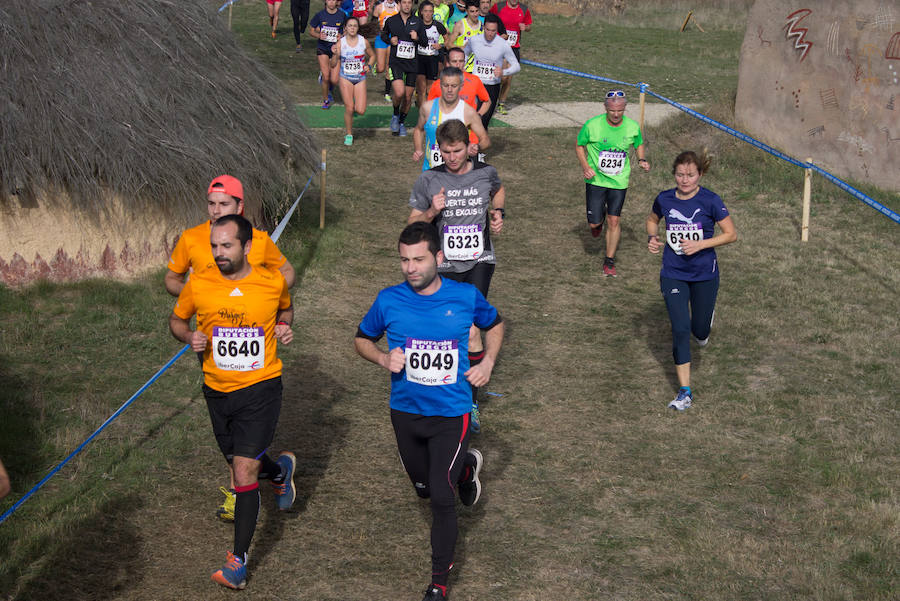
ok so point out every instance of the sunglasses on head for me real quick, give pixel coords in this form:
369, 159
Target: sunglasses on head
615, 94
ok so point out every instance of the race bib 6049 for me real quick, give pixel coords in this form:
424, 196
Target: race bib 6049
431, 362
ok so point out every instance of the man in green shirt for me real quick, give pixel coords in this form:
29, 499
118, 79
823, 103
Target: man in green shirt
602, 149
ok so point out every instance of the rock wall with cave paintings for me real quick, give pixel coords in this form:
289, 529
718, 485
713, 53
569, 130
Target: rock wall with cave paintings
822, 79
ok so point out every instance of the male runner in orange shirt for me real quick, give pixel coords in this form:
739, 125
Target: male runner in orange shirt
241, 311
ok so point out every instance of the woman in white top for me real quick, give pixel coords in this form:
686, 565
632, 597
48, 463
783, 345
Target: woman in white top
356, 58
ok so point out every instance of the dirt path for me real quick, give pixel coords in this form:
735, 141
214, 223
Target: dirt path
574, 114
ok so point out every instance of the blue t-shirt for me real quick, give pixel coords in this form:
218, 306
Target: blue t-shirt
696, 219
433, 330
334, 24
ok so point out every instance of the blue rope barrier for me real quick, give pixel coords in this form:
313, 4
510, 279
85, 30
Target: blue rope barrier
645, 88
226, 5
275, 235
108, 421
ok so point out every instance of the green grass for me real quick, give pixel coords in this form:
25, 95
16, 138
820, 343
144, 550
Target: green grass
781, 482
644, 47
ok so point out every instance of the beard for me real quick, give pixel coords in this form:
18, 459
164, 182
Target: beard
226, 266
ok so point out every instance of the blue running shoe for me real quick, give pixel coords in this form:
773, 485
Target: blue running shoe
395, 124
401, 131
233, 575
285, 492
682, 401
475, 419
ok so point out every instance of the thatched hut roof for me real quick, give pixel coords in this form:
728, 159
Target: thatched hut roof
139, 100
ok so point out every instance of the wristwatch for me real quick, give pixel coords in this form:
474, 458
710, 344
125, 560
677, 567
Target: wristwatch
502, 212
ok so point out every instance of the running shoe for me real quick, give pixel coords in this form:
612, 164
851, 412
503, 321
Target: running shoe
609, 270
595, 231
501, 108
702, 343
395, 124
475, 419
682, 401
225, 511
470, 488
299, 48
348, 140
233, 574
402, 131
273, 35
326, 105
285, 491
434, 593
387, 98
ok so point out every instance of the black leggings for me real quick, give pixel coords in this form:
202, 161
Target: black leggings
493, 91
433, 450
300, 14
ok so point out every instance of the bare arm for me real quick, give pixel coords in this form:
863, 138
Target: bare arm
283, 320
438, 202
727, 236
641, 154
582, 158
484, 141
419, 130
653, 241
393, 361
181, 330
174, 282
480, 374
498, 201
287, 270
4, 481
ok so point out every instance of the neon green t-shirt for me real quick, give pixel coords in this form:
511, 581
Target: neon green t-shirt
440, 14
607, 150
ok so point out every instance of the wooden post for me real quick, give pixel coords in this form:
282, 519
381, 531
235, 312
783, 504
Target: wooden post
807, 190
322, 193
686, 19
229, 15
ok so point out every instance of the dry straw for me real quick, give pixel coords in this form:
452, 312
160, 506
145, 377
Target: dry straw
142, 100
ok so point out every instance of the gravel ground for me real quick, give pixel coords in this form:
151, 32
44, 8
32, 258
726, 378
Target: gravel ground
574, 114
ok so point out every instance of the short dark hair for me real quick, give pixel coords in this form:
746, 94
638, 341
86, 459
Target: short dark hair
492, 18
244, 229
474, 3
423, 4
451, 132
452, 72
421, 231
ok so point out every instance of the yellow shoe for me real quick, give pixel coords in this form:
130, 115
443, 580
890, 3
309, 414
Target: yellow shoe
225, 511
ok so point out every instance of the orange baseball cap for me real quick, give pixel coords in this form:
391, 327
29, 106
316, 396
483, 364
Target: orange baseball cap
228, 184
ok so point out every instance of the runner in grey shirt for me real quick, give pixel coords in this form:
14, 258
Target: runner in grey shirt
489, 51
465, 200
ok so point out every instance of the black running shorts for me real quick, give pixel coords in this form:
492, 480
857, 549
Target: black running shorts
244, 420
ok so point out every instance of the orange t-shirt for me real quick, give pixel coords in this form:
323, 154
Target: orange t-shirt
194, 251
238, 317
471, 90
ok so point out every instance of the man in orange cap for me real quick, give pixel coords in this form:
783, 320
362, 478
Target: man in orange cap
193, 253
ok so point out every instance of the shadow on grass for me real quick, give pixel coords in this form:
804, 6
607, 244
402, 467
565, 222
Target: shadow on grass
308, 428
20, 441
100, 558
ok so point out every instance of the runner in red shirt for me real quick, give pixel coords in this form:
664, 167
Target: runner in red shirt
516, 18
